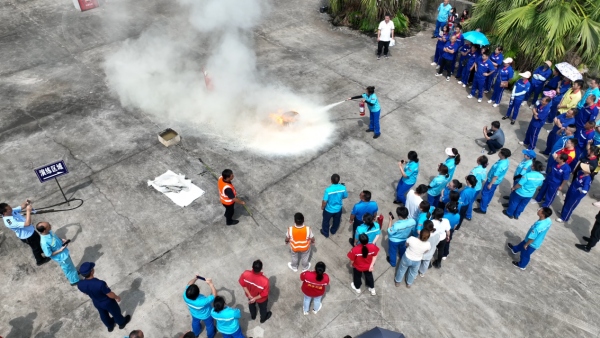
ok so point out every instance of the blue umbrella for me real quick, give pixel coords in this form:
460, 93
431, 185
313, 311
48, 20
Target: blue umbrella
476, 37
378, 332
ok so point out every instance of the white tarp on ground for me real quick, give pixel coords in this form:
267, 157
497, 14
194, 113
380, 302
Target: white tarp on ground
177, 188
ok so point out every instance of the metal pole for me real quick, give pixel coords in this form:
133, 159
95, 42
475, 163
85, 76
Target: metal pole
62, 192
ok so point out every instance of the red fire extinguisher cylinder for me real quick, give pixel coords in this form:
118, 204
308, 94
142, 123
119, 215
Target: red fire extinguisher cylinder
361, 108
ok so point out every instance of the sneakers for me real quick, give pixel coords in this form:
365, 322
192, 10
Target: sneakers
444, 258
517, 265
291, 267
510, 246
233, 222
582, 247
437, 67
266, 317
354, 288
43, 261
421, 275
460, 82
464, 85
378, 57
385, 56
319, 309
486, 91
560, 220
372, 291
479, 100
596, 204
447, 78
303, 270
434, 64
490, 101
438, 74
522, 143
495, 105
127, 320
470, 96
534, 202
305, 313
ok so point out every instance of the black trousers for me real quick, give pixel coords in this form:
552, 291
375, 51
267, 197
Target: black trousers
262, 308
355, 225
594, 236
357, 278
445, 64
385, 45
441, 248
34, 242
494, 145
446, 251
229, 210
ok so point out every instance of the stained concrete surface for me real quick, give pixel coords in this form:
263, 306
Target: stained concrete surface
55, 105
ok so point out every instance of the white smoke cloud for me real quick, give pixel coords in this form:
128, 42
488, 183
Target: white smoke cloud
161, 74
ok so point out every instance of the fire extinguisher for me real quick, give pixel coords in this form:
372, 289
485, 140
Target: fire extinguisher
361, 108
380, 220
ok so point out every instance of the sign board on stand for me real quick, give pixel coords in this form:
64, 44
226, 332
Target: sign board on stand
52, 171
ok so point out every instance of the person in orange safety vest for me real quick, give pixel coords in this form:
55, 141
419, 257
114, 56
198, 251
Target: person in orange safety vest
228, 196
300, 238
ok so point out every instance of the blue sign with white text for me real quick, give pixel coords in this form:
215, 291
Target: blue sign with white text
51, 171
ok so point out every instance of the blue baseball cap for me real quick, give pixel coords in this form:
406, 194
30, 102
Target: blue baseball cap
530, 153
86, 268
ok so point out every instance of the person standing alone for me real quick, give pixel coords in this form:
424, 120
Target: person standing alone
534, 238
442, 18
300, 238
256, 288
374, 110
228, 196
385, 33
332, 205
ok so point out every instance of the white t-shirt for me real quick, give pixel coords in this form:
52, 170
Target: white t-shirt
412, 204
386, 30
416, 248
441, 228
434, 239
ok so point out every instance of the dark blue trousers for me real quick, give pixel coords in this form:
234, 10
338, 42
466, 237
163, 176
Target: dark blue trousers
108, 309
401, 190
327, 216
513, 107
525, 253
396, 249
531, 136
487, 195
516, 204
547, 193
478, 83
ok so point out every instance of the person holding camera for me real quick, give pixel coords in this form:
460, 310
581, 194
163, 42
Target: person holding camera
494, 137
56, 248
200, 306
23, 228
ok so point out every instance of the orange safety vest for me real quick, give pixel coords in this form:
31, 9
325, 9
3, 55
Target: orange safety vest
299, 238
222, 186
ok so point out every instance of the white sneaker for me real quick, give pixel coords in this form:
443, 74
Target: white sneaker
444, 258
353, 288
447, 78
535, 202
523, 103
438, 74
460, 82
560, 220
422, 275
470, 96
489, 101
486, 91
479, 100
495, 105
434, 64
303, 270
437, 67
596, 204
319, 309
521, 142
464, 85
291, 267
373, 293
305, 313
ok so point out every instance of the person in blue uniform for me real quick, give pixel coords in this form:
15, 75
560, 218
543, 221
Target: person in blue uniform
23, 228
460, 40
467, 197
374, 110
450, 48
227, 319
523, 191
589, 112
398, 233
561, 90
409, 171
56, 248
497, 59
540, 113
504, 74
561, 122
523, 168
534, 238
583, 137
439, 47
102, 297
450, 192
520, 88
494, 178
437, 184
540, 75
463, 57
453, 216
483, 68
480, 173
332, 205
592, 90
365, 206
471, 57
452, 161
200, 306
555, 180
577, 191
554, 81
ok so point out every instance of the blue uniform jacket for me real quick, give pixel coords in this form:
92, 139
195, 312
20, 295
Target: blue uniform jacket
552, 83
372, 102
542, 115
505, 74
450, 46
497, 59
483, 67
540, 75
520, 88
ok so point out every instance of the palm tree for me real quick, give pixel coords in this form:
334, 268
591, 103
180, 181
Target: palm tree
533, 31
366, 14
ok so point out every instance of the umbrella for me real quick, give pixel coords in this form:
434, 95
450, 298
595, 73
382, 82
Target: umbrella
476, 37
569, 71
378, 332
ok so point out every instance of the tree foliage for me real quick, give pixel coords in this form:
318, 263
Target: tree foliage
532, 31
366, 14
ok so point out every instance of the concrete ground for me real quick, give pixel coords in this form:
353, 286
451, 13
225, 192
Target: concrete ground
55, 105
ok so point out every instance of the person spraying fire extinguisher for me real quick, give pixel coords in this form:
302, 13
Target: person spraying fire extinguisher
374, 109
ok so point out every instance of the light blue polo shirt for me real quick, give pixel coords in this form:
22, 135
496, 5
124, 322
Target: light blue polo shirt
587, 93
363, 229
200, 307
361, 208
51, 243
401, 230
529, 183
524, 167
443, 12
16, 223
498, 170
412, 171
450, 163
538, 232
334, 194
227, 320
480, 173
597, 134
453, 219
437, 185
421, 220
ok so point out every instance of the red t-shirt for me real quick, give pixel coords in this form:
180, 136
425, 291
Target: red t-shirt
358, 261
256, 284
311, 286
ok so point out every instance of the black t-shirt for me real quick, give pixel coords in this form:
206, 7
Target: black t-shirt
229, 193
